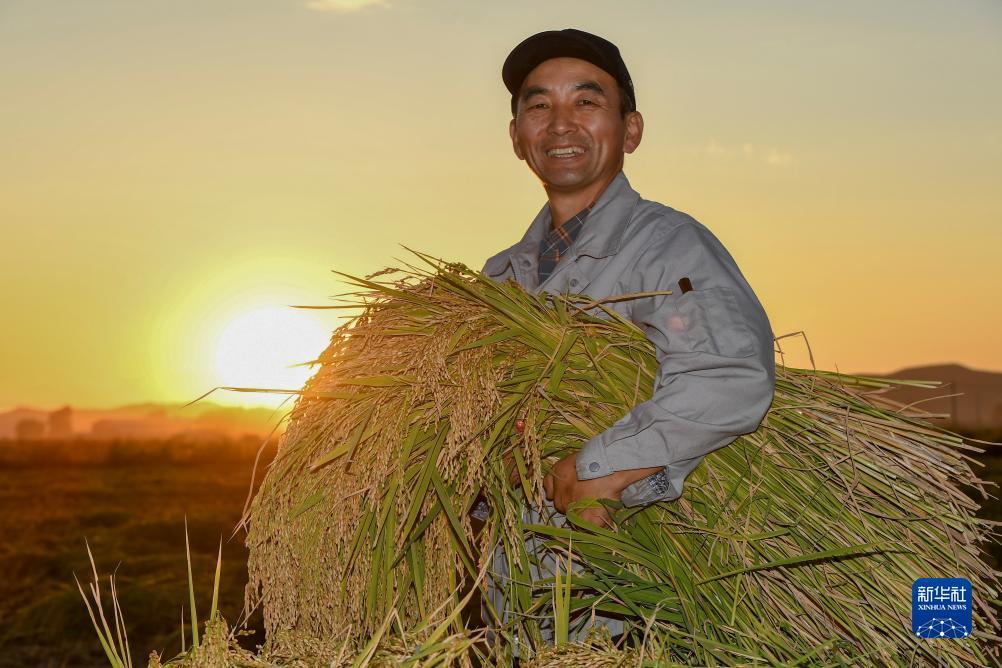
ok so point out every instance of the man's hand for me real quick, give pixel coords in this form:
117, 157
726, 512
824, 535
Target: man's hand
563, 488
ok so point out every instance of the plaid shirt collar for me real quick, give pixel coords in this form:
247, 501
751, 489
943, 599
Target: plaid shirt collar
553, 246
601, 237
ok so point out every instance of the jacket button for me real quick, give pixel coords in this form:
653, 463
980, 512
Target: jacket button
574, 282
593, 467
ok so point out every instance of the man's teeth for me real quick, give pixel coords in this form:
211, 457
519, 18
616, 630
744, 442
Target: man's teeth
565, 151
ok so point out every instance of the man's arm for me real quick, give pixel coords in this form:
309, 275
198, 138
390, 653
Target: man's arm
716, 376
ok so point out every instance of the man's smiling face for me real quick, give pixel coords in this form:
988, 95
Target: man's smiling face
569, 128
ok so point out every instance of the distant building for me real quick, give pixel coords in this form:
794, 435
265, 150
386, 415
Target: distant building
61, 423
28, 429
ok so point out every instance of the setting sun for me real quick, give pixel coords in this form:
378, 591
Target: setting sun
260, 348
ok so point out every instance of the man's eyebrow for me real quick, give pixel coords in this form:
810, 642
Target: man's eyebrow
590, 85
532, 90
581, 85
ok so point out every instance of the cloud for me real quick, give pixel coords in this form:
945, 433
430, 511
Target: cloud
344, 6
778, 158
771, 156
714, 148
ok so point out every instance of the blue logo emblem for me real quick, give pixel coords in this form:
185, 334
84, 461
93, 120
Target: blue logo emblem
941, 608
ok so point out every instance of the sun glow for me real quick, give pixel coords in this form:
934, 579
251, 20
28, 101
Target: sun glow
234, 326
259, 348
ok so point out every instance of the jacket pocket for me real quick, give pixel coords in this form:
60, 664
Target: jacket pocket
710, 321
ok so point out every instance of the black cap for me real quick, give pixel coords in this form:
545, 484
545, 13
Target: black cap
568, 43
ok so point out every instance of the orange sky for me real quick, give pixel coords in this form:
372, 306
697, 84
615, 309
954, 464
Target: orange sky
173, 173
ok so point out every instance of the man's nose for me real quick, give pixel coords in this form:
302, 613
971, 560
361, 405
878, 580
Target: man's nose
561, 120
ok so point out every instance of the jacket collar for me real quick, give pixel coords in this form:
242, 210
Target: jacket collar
601, 235
603, 230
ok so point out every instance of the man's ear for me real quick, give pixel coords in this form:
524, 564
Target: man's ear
634, 131
514, 140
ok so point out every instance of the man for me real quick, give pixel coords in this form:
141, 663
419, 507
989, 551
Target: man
574, 118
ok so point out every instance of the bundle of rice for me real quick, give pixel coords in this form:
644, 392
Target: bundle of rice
797, 543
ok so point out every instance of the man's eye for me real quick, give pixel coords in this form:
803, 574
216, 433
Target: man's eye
585, 101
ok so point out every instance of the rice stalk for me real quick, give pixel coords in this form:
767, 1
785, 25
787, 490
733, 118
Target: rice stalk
797, 543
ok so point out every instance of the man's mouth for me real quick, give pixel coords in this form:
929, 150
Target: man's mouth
565, 152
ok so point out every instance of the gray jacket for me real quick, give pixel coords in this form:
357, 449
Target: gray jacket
714, 342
